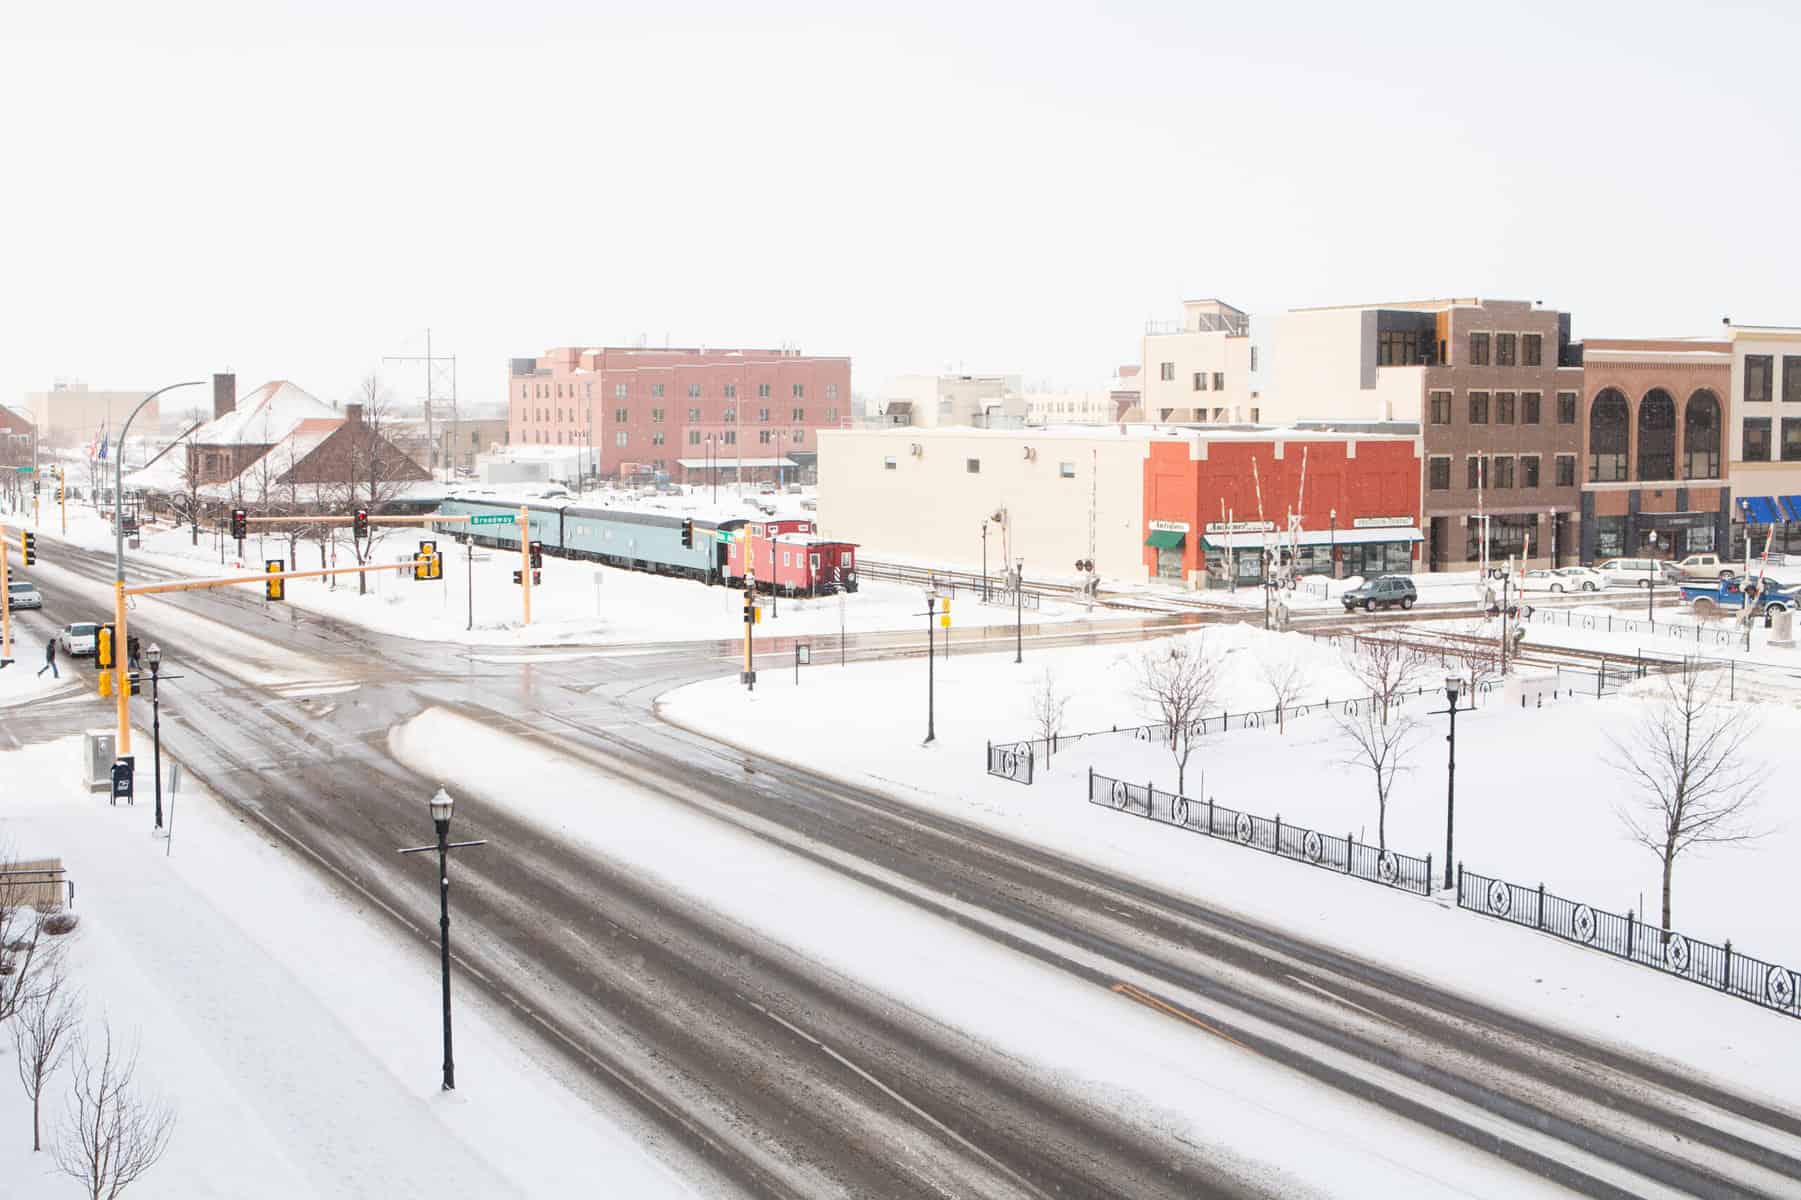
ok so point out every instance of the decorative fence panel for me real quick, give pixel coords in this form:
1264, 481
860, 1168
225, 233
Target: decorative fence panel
1013, 760
1719, 967
1344, 855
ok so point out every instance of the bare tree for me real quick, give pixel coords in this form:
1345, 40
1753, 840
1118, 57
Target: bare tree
1479, 661
187, 501
114, 1132
43, 1032
1686, 763
1177, 680
1048, 703
376, 469
1380, 744
1386, 667
1286, 677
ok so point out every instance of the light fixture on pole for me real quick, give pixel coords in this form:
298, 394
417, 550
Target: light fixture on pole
1453, 689
1651, 577
1333, 553
931, 655
154, 656
1019, 600
441, 805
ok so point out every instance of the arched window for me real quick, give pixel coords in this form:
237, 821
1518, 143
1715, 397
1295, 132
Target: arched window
1609, 418
1657, 435
1701, 436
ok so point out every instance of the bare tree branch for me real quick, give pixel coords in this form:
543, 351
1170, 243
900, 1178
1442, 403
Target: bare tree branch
1048, 703
1177, 680
1386, 667
43, 1032
113, 1133
1286, 677
1380, 745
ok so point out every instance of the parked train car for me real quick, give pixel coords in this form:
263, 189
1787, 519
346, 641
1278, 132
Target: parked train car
789, 556
635, 539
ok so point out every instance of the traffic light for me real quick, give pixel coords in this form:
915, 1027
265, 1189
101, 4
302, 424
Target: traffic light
133, 680
752, 614
28, 542
687, 533
360, 525
240, 524
537, 554
518, 578
428, 563
274, 589
537, 578
103, 647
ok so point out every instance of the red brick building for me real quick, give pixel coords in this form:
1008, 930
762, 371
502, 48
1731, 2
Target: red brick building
1216, 501
678, 410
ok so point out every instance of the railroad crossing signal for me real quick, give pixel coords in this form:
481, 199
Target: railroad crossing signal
687, 533
28, 544
360, 525
273, 589
240, 524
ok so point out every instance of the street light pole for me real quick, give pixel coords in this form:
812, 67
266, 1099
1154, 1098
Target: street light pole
1453, 685
1334, 550
1019, 601
1651, 579
931, 677
984, 560
441, 805
155, 655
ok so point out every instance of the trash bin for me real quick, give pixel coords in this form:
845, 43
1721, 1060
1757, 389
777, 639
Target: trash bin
1782, 628
97, 759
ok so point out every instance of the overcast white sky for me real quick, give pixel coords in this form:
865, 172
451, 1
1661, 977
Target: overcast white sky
293, 190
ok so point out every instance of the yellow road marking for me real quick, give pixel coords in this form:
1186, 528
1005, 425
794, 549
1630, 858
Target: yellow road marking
1131, 992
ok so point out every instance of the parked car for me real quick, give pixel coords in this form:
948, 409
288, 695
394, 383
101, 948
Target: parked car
21, 593
1386, 591
1543, 580
1707, 597
1703, 566
79, 640
1573, 579
1631, 572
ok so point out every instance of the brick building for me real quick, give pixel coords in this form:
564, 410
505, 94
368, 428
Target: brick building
1654, 412
676, 409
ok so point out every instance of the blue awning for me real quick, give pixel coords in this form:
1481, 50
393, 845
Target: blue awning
1759, 510
1793, 505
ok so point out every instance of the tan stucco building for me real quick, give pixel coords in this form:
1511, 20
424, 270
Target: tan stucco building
72, 413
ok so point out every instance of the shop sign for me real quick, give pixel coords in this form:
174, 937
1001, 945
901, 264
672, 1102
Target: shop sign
1170, 526
1381, 522
1235, 526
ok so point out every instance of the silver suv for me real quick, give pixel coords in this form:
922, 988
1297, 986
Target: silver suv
1387, 591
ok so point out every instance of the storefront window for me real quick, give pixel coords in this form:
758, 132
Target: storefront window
1610, 537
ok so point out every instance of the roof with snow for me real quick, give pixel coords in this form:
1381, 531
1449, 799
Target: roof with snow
264, 417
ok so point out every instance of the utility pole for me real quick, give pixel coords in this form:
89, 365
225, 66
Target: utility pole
431, 365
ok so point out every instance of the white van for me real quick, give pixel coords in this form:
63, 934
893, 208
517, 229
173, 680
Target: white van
1631, 572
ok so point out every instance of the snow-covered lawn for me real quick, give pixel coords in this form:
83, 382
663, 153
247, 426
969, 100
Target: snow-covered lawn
1534, 804
297, 1039
578, 603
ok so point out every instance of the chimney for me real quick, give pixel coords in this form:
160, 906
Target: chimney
225, 394
353, 414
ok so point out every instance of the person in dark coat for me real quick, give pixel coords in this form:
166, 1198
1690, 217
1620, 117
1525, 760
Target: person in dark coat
50, 660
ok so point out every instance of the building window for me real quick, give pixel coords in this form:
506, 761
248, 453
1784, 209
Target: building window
656, 390
694, 391
973, 466
1398, 348
1503, 408
729, 416
731, 437
831, 391
1066, 470
831, 416
1477, 471
621, 416
693, 438
619, 391
763, 436
619, 438
694, 414
1441, 408
559, 391
1438, 473
798, 436
800, 391
1507, 534
1478, 350
1566, 470
1253, 358
1757, 439
1506, 350
1566, 408
1791, 379
762, 391
1657, 435
888, 464
1478, 408
1609, 426
1503, 471
1757, 378
1166, 372
731, 391
656, 415
1529, 402
1791, 439
1200, 381
656, 437
1528, 470
762, 414
800, 414
1532, 350
1610, 537
1701, 436
1219, 381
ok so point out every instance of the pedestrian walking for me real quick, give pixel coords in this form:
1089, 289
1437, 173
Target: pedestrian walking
50, 660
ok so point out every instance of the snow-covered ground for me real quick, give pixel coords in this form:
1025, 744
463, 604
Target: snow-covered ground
1535, 803
297, 1039
577, 603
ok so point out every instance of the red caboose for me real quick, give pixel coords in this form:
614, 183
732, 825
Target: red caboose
787, 554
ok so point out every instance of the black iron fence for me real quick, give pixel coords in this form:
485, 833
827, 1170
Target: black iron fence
1681, 632
1719, 967
1012, 760
1343, 855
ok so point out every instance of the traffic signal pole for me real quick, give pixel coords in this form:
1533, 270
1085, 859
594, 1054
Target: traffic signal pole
121, 685
6, 606
525, 560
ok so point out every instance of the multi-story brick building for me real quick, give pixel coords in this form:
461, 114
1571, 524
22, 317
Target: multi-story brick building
681, 410
1764, 436
1495, 386
1652, 420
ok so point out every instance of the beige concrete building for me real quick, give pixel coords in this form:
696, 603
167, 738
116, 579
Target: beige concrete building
1198, 369
72, 413
934, 401
1071, 408
1763, 440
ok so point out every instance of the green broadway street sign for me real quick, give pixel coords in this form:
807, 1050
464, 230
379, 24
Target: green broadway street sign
723, 535
25, 470
494, 519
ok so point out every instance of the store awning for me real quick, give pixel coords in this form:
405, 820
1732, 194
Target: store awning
1165, 539
1793, 505
1281, 539
1759, 510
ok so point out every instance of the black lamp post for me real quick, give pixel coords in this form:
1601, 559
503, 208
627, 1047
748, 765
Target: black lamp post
1019, 619
1453, 686
1651, 578
931, 657
154, 655
1334, 550
984, 560
440, 814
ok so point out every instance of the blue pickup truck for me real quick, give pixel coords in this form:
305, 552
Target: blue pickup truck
1733, 593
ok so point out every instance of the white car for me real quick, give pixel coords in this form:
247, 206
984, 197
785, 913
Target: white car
21, 593
1579, 579
79, 639
1631, 572
1541, 581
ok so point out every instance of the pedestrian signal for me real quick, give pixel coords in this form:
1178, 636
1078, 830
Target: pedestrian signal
273, 588
360, 525
537, 556
240, 524
28, 542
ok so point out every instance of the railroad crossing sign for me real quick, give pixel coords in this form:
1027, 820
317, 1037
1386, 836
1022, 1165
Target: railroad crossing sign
494, 519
